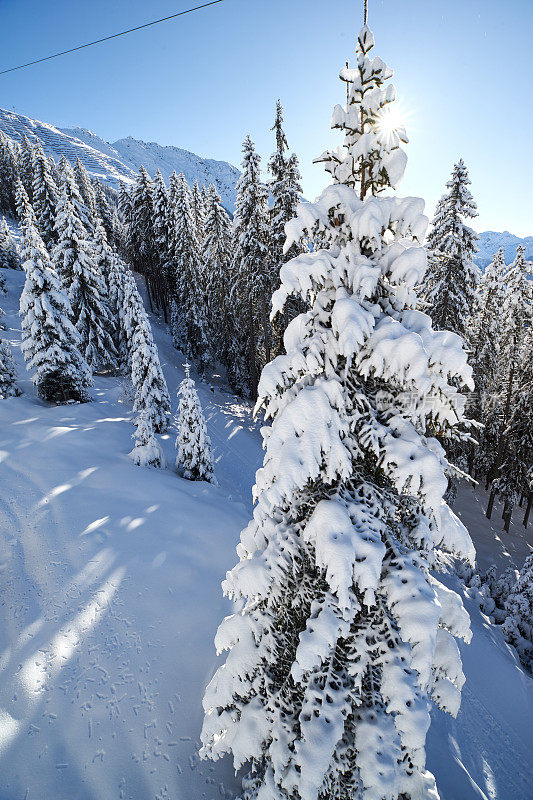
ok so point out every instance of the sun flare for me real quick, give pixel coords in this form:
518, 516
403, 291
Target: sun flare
392, 119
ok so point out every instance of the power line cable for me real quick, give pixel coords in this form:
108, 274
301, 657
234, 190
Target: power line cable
114, 36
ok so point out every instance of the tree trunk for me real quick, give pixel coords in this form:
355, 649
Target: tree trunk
507, 519
491, 503
528, 509
251, 350
147, 283
266, 332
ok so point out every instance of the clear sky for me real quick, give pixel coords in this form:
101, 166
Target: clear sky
463, 72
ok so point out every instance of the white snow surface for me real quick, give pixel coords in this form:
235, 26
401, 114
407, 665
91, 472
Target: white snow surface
110, 599
119, 161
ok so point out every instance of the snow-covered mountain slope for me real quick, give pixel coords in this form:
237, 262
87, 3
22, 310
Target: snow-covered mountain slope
134, 154
110, 598
106, 166
491, 241
113, 163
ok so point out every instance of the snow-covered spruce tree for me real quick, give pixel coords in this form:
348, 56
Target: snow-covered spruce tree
124, 214
160, 221
103, 210
50, 342
9, 255
117, 279
26, 166
8, 375
25, 214
74, 259
485, 331
54, 171
69, 185
516, 317
9, 158
194, 459
102, 252
198, 211
518, 625
286, 190
451, 279
151, 393
141, 238
250, 268
86, 188
44, 197
185, 278
162, 241
501, 589
217, 262
343, 634
147, 451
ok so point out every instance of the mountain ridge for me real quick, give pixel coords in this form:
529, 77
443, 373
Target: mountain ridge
118, 162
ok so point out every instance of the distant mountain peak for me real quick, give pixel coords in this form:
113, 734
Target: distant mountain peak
120, 161
491, 241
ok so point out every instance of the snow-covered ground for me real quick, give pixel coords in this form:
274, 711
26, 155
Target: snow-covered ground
110, 597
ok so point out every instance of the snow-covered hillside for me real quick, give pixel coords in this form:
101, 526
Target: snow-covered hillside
105, 166
110, 596
491, 241
113, 163
134, 154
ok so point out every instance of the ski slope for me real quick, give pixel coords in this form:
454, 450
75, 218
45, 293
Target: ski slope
110, 597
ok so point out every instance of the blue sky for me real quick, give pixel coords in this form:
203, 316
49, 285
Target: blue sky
462, 71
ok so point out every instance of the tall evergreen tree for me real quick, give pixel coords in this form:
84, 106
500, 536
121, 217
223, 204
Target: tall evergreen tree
44, 197
485, 333
342, 632
86, 190
250, 268
450, 282
516, 320
9, 255
198, 211
27, 219
9, 170
75, 260
189, 328
160, 222
118, 277
50, 343
70, 187
124, 205
103, 210
141, 233
286, 190
162, 240
517, 467
217, 261
26, 165
151, 393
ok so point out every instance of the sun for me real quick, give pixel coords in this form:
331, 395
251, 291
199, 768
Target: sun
391, 119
